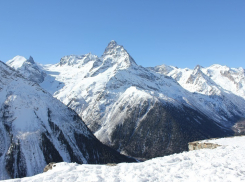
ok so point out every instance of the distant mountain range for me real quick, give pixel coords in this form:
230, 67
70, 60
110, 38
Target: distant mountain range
143, 112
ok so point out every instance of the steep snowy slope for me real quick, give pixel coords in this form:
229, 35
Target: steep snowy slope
36, 129
223, 164
136, 110
225, 86
28, 68
231, 79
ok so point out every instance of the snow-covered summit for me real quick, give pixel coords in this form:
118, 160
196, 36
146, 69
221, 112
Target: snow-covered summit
116, 54
112, 44
78, 61
201, 83
28, 68
224, 79
162, 69
16, 62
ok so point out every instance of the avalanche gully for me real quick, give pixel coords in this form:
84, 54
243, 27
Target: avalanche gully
143, 112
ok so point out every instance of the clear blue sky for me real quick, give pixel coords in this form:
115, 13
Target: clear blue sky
179, 33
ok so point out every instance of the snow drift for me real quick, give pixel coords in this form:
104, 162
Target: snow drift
223, 164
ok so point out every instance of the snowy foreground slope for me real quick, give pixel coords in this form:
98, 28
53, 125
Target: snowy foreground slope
139, 111
224, 164
36, 129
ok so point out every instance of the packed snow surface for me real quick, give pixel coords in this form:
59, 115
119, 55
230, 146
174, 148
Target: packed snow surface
225, 163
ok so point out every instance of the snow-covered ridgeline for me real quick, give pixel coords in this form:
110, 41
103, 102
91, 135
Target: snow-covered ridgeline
28, 68
129, 107
83, 86
209, 81
223, 164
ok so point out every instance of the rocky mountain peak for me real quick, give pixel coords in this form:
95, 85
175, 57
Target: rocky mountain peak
196, 75
74, 60
28, 68
197, 70
114, 48
31, 60
19, 61
162, 69
112, 43
116, 54
16, 62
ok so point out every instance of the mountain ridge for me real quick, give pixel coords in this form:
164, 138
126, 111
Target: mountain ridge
118, 100
36, 129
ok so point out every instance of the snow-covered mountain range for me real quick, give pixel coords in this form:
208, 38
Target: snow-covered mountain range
208, 81
36, 128
144, 112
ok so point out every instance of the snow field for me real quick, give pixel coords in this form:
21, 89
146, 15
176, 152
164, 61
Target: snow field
224, 164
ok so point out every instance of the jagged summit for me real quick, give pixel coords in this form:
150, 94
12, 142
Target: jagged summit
16, 62
163, 69
112, 43
75, 60
28, 68
19, 61
31, 60
114, 48
115, 53
198, 67
197, 70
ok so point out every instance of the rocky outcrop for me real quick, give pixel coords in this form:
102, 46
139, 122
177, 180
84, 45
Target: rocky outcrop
49, 166
239, 127
201, 145
205, 144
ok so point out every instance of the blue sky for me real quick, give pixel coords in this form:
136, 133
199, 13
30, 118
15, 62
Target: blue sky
179, 33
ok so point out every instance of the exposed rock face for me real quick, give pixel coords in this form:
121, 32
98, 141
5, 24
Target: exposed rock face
111, 164
199, 145
37, 129
206, 144
49, 166
239, 127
